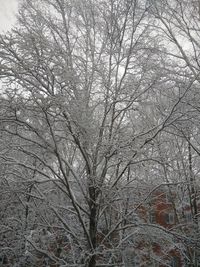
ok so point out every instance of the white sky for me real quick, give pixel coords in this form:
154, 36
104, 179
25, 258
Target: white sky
8, 8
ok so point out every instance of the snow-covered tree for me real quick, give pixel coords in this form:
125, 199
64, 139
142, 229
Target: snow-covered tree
90, 96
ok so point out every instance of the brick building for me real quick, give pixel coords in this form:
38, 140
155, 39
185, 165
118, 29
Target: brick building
172, 240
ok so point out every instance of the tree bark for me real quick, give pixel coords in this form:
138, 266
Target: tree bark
93, 225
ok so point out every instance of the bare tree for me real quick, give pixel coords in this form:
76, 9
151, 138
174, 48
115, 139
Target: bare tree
83, 90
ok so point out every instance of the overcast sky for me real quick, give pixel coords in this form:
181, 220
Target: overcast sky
8, 8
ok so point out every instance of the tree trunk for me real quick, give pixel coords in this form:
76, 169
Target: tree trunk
93, 226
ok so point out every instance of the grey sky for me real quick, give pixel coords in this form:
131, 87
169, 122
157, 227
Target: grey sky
8, 8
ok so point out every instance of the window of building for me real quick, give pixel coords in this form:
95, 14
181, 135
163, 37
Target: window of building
131, 259
188, 217
152, 217
175, 262
169, 218
168, 197
136, 261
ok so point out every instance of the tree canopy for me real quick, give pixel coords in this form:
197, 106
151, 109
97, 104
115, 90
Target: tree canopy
99, 106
